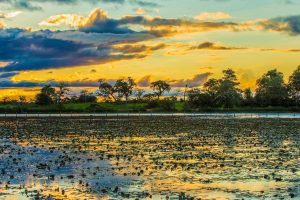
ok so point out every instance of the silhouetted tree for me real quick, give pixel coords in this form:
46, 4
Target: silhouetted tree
228, 94
85, 97
194, 96
248, 98
48, 90
43, 99
106, 90
22, 100
149, 97
197, 98
294, 86
159, 87
5, 100
46, 96
271, 89
62, 91
211, 88
124, 88
139, 93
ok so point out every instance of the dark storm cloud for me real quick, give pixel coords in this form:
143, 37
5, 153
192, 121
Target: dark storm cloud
24, 50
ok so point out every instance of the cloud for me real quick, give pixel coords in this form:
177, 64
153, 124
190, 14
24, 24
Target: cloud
144, 3
22, 4
98, 39
129, 49
24, 50
217, 47
2, 25
281, 50
289, 24
144, 81
214, 46
6, 83
71, 20
213, 16
140, 11
7, 75
99, 22
10, 15
37, 4
196, 81
74, 20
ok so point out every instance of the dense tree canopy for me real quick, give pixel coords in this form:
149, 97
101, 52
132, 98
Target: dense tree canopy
228, 94
294, 86
46, 96
271, 89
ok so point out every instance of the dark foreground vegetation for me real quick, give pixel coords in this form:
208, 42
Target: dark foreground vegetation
149, 158
224, 94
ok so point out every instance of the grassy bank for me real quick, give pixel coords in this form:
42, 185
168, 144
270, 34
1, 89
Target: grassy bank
76, 107
129, 107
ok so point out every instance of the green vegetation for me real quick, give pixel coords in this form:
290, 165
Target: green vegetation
74, 107
216, 95
106, 107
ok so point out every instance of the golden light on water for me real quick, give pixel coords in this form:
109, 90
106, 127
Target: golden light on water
160, 158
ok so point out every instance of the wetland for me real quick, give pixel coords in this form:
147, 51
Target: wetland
149, 157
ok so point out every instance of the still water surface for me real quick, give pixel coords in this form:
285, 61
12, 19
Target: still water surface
178, 157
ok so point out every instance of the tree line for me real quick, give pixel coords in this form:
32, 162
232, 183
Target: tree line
123, 90
271, 90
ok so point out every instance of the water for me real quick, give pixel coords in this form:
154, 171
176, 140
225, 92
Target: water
152, 157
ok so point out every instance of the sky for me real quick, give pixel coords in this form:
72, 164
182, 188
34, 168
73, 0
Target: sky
181, 41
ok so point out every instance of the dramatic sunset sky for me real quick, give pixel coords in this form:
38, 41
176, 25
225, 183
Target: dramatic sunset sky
182, 41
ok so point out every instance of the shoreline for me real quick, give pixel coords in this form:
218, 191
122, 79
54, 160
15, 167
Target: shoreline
233, 115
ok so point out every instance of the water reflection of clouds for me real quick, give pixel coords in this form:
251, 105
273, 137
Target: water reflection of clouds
155, 157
